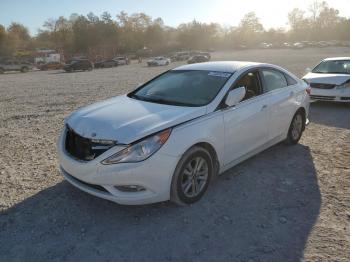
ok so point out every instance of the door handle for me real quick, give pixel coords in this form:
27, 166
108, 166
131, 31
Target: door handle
291, 93
263, 107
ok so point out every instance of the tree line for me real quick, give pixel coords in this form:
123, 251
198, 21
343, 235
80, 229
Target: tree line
106, 35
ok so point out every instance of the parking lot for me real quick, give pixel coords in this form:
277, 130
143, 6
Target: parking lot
285, 204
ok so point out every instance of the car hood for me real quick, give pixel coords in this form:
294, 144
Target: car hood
126, 120
335, 79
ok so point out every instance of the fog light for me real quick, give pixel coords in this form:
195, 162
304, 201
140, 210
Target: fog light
131, 188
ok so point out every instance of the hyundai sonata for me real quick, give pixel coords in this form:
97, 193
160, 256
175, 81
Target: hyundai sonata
168, 138
330, 80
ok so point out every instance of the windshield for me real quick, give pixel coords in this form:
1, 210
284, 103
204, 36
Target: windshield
333, 67
182, 88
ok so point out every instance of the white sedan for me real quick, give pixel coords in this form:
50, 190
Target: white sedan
330, 80
168, 138
158, 61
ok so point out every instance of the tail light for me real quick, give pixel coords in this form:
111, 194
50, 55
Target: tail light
308, 88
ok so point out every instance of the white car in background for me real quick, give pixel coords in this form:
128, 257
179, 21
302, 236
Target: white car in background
168, 138
330, 80
159, 61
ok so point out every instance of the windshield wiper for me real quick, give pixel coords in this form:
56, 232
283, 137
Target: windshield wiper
160, 100
344, 73
165, 102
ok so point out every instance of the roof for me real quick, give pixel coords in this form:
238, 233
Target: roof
220, 66
336, 58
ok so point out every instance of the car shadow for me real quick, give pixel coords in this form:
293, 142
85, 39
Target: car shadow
260, 210
330, 114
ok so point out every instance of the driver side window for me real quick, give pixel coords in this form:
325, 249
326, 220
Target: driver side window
251, 82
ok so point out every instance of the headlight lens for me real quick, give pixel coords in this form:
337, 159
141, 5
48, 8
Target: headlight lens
139, 151
345, 85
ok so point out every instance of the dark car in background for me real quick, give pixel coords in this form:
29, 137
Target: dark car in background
81, 65
106, 63
198, 59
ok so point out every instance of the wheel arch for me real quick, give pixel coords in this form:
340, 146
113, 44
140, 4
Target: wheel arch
212, 151
302, 110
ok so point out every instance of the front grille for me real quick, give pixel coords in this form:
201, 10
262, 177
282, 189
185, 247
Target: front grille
322, 86
322, 97
83, 148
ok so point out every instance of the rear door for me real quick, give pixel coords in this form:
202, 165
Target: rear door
246, 127
281, 92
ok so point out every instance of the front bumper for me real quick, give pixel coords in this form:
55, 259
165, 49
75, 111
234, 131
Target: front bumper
335, 94
153, 175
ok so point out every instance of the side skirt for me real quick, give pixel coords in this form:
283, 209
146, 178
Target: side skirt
252, 153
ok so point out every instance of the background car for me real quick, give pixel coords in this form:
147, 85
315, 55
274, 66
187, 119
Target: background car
106, 63
159, 61
330, 80
51, 66
265, 45
15, 65
168, 138
298, 45
198, 59
182, 56
122, 60
81, 64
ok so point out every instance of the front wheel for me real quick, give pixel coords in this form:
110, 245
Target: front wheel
192, 176
24, 69
296, 128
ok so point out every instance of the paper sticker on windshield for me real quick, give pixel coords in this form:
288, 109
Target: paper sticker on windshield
219, 74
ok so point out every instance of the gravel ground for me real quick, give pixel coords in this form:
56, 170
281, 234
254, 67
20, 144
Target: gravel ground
285, 204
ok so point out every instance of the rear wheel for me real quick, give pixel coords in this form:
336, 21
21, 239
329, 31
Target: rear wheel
192, 176
24, 69
296, 128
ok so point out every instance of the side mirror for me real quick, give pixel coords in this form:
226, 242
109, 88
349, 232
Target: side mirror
308, 70
235, 96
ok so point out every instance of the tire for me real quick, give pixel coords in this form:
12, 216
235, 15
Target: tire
24, 69
186, 180
2, 71
90, 68
296, 128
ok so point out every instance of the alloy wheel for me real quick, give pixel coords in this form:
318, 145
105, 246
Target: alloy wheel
194, 177
297, 126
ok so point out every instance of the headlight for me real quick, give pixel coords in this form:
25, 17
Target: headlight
141, 150
345, 85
